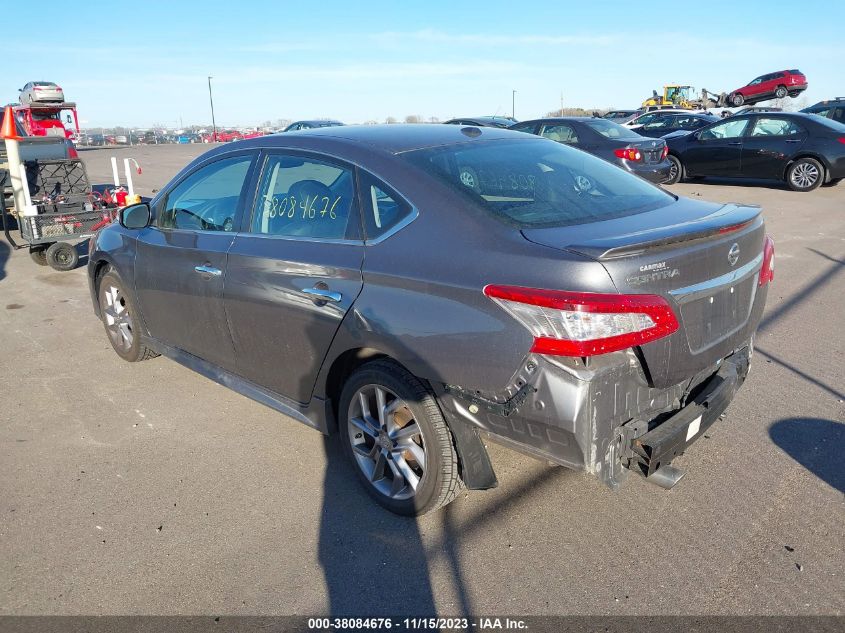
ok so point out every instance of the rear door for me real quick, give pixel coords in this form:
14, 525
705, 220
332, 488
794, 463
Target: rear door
293, 270
181, 259
769, 144
716, 150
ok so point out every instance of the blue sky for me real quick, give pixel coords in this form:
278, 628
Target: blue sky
359, 61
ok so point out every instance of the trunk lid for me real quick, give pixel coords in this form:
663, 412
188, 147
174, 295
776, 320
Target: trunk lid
703, 258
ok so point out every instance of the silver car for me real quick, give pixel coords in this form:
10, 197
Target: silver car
41, 92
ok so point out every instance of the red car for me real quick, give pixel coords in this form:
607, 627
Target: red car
772, 86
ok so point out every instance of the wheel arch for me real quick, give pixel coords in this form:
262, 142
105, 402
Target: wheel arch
475, 467
806, 154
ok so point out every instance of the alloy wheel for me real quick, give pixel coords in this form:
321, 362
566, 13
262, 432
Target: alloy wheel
386, 441
118, 320
804, 175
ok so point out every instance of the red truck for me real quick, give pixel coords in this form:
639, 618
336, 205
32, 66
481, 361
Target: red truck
45, 119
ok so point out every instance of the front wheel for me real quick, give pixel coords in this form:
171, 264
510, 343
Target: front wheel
120, 319
781, 92
805, 174
676, 170
393, 431
737, 100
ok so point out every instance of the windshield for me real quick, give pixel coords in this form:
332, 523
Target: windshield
609, 129
538, 183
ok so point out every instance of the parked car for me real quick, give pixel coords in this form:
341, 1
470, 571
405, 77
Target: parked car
831, 108
664, 123
803, 150
621, 116
483, 121
406, 287
188, 138
654, 115
96, 140
41, 91
121, 139
310, 125
614, 143
772, 86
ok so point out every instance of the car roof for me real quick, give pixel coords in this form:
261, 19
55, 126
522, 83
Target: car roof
391, 138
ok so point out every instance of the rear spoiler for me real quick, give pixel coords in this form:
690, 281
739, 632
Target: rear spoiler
729, 218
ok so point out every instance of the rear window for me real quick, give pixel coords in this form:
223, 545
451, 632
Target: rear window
534, 183
609, 129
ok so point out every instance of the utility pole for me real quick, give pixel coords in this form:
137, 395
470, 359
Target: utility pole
513, 104
561, 104
211, 101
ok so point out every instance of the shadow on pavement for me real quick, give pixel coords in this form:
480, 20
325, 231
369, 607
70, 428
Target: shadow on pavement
814, 443
5, 251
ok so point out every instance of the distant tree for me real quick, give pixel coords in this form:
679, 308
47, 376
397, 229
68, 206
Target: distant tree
574, 112
433, 119
391, 119
413, 118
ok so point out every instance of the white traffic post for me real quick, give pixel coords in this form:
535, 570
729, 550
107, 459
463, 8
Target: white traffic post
114, 172
13, 156
129, 189
29, 208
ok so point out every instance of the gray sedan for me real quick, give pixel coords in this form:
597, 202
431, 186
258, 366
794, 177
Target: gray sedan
414, 289
41, 92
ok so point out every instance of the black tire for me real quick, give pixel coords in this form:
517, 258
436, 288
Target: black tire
832, 182
805, 174
111, 292
781, 92
38, 254
737, 100
440, 482
676, 173
62, 256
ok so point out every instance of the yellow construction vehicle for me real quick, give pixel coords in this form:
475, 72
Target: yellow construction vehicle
675, 96
685, 97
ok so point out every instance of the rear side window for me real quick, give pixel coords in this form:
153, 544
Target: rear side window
304, 197
384, 209
523, 127
774, 127
531, 183
612, 130
207, 200
560, 133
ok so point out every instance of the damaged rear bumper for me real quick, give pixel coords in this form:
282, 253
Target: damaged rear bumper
602, 417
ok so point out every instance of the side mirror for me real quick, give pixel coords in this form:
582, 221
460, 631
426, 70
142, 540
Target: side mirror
135, 216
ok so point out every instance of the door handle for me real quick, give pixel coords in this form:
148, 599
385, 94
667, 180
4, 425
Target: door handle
736, 143
794, 140
323, 294
208, 270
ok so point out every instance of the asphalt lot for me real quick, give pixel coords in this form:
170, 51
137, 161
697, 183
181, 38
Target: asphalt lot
147, 489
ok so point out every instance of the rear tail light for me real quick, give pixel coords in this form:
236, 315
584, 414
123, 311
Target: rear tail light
665, 152
584, 323
841, 139
767, 271
628, 153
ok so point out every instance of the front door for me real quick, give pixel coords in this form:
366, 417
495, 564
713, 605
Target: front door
294, 271
769, 145
716, 150
181, 260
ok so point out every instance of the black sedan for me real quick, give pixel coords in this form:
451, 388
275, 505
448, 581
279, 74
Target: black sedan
668, 122
803, 150
608, 140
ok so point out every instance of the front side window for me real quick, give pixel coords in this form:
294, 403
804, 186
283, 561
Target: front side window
774, 127
207, 200
560, 133
304, 197
728, 129
531, 183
